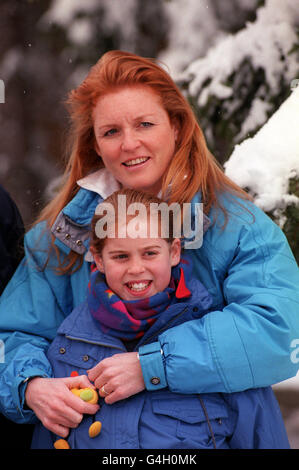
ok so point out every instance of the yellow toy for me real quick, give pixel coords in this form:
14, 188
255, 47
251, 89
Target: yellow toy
87, 394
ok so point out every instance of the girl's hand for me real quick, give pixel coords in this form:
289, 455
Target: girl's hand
121, 376
55, 405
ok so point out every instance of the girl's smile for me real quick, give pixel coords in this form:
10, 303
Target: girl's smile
138, 288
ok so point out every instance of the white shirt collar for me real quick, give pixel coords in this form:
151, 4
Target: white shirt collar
101, 182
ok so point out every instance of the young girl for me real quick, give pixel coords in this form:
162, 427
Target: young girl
133, 128
141, 288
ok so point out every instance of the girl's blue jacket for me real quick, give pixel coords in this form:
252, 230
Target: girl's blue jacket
245, 341
161, 419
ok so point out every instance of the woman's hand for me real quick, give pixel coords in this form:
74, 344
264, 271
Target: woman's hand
55, 405
121, 376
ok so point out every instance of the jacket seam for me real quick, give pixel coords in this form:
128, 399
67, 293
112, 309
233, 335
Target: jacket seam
215, 357
248, 361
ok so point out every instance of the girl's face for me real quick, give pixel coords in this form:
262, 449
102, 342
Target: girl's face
134, 137
137, 268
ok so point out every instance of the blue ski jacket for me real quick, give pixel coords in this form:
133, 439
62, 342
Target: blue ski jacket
243, 342
160, 419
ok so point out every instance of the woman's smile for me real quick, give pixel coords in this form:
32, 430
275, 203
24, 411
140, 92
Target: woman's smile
134, 137
136, 162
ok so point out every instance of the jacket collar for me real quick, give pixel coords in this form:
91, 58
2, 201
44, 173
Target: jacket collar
80, 325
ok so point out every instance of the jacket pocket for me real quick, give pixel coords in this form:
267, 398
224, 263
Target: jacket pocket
202, 421
66, 355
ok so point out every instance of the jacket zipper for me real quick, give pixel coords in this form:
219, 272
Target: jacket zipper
165, 327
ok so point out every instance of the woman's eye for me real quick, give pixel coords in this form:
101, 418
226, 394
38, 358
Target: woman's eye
146, 124
110, 132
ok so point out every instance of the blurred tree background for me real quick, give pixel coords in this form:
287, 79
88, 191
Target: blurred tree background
234, 59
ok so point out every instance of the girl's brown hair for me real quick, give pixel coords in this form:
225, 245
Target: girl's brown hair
192, 168
132, 196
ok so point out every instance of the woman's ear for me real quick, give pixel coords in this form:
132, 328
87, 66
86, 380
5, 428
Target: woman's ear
99, 262
176, 129
175, 252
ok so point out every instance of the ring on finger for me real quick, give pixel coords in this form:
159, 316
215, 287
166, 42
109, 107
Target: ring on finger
102, 390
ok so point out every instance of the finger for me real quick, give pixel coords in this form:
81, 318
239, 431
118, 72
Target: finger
104, 378
113, 397
69, 408
62, 431
104, 390
99, 382
95, 372
63, 412
90, 409
81, 406
56, 428
70, 418
81, 381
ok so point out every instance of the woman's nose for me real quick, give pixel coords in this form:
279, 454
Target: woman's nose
130, 141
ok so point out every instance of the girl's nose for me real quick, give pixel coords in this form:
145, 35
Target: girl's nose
130, 141
136, 266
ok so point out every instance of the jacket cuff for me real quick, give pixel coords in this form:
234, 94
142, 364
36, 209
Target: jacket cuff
151, 361
18, 393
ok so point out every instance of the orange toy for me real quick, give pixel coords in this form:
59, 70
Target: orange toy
95, 429
61, 444
87, 394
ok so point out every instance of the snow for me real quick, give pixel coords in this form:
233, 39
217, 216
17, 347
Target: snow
264, 43
257, 116
193, 28
256, 42
265, 162
115, 15
77, 18
81, 31
63, 12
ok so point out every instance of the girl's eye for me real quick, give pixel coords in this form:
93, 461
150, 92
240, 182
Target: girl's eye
150, 253
120, 256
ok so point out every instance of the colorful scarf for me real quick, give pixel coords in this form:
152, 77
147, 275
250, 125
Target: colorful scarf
130, 319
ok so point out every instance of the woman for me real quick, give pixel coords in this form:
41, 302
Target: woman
131, 127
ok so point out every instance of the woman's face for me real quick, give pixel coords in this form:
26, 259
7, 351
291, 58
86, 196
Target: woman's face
134, 137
